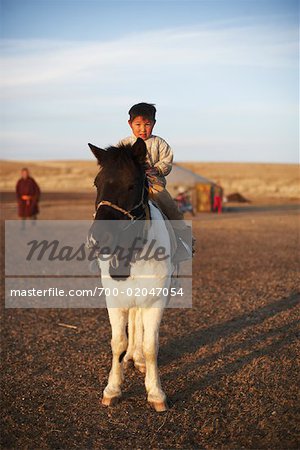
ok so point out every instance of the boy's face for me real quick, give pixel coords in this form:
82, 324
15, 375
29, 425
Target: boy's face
142, 127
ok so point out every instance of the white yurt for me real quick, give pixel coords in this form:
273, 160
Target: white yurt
200, 189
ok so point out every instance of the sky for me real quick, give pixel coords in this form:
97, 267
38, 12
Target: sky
223, 74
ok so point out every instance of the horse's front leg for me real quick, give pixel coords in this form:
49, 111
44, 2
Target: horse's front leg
151, 321
118, 321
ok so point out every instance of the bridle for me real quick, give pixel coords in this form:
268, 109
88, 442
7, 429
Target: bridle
130, 214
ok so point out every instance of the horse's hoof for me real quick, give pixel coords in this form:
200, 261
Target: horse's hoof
110, 401
140, 367
159, 406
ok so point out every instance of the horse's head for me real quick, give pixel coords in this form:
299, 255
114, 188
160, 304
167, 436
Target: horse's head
120, 184
120, 180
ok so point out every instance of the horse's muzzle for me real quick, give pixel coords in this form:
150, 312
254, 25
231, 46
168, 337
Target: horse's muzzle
100, 238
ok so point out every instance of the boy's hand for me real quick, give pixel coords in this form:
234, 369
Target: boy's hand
152, 172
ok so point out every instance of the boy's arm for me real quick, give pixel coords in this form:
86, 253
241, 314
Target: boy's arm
164, 165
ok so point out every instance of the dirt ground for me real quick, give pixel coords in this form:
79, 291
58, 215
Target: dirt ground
228, 365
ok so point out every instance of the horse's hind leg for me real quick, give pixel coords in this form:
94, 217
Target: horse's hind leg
131, 332
135, 340
138, 356
151, 321
118, 321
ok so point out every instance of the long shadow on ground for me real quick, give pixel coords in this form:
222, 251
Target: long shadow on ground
190, 343
221, 364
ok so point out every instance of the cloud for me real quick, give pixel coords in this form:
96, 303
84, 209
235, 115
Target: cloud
35, 62
226, 85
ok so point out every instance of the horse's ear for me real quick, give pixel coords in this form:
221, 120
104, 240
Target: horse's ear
139, 150
99, 153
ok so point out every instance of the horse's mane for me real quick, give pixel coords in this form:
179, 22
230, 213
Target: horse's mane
120, 154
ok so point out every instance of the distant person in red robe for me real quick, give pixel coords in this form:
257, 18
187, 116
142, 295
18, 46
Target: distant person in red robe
217, 197
28, 195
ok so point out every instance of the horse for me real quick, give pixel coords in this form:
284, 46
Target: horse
122, 200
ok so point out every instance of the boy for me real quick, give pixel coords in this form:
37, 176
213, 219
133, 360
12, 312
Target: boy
159, 164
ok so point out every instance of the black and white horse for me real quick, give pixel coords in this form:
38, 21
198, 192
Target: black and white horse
136, 292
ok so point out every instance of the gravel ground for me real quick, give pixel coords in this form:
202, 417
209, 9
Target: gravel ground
228, 365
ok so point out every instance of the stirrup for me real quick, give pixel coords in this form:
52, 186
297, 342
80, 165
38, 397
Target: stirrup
183, 251
187, 248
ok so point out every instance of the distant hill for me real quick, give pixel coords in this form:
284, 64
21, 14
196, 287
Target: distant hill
253, 179
249, 179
